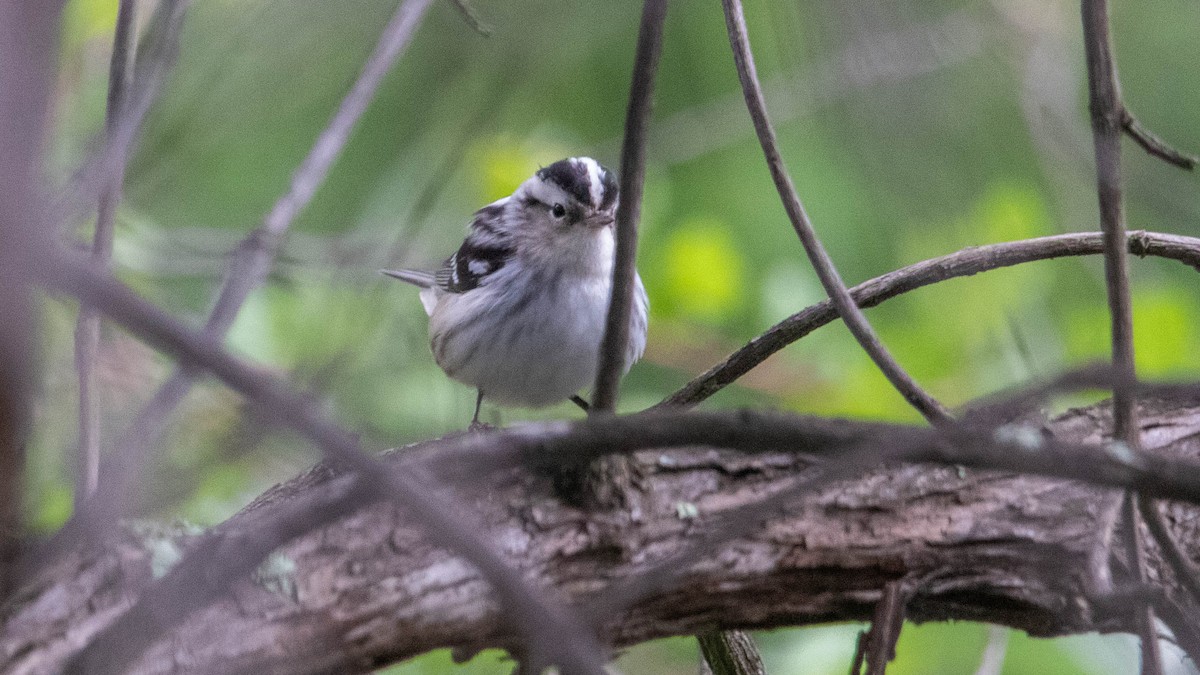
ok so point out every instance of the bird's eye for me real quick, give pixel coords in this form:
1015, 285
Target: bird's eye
558, 210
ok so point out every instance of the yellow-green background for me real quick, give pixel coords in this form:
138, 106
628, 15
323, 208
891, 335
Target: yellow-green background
912, 129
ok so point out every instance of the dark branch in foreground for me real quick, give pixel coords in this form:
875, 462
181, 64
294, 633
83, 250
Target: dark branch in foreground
1184, 569
1004, 550
880, 641
552, 633
963, 263
1104, 94
87, 328
1109, 117
1147, 628
28, 47
629, 211
252, 261
853, 317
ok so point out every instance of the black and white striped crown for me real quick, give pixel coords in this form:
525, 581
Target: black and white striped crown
584, 179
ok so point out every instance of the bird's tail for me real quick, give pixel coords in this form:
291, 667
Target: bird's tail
415, 277
426, 281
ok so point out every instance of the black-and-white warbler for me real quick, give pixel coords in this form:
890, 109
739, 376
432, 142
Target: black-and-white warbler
519, 311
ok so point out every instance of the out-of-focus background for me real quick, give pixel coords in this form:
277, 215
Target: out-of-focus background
912, 129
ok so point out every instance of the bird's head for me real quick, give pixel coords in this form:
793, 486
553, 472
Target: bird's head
568, 208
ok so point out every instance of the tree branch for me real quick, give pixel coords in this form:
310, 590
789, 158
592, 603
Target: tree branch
28, 46
1152, 144
1108, 119
1147, 628
551, 632
1104, 95
252, 261
472, 17
157, 53
614, 344
96, 286
1185, 571
87, 328
371, 587
849, 312
731, 652
881, 640
966, 262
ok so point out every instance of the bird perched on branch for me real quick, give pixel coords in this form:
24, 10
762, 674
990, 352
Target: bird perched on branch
518, 312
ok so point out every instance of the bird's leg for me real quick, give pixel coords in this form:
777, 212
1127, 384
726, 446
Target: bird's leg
580, 402
476, 425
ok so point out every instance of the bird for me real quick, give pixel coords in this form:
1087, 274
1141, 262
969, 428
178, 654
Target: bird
519, 310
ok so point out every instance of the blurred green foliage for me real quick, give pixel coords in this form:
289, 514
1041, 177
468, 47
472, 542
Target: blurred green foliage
911, 130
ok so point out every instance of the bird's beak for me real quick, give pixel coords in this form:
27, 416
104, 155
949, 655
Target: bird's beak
600, 220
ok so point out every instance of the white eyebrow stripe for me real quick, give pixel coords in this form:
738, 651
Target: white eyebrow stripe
545, 192
597, 186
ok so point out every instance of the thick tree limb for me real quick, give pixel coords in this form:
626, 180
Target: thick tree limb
371, 588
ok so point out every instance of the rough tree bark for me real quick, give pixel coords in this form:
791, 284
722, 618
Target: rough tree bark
370, 590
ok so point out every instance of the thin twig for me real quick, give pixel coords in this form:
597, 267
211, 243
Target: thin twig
1181, 623
472, 17
154, 59
157, 51
874, 291
87, 329
251, 262
853, 317
885, 627
1104, 94
1185, 570
899, 54
553, 634
992, 661
860, 653
1154, 145
1135, 550
1108, 119
1116, 603
615, 342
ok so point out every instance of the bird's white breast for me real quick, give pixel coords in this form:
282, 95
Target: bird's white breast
533, 342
